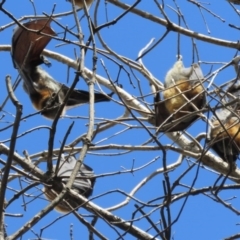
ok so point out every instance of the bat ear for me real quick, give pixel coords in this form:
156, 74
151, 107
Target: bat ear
27, 46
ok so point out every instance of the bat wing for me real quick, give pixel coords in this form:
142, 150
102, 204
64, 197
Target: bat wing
226, 150
84, 181
162, 114
196, 79
27, 46
79, 97
160, 110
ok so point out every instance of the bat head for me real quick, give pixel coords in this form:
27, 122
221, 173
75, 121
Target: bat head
83, 183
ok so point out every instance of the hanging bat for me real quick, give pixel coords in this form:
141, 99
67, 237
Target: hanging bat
224, 135
183, 94
83, 183
46, 94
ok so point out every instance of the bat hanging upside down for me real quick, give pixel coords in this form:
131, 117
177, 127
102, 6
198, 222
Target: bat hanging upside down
83, 183
224, 135
46, 94
183, 94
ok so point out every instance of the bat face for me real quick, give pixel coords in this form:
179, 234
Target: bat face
27, 46
184, 94
83, 184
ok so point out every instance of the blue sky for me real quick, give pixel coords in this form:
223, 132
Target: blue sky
202, 218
